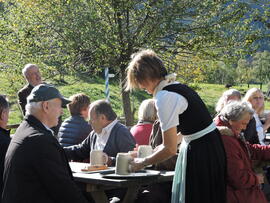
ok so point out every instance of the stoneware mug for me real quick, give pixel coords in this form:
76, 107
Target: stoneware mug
144, 151
98, 158
122, 163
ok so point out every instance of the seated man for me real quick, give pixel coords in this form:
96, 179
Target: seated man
36, 168
75, 128
4, 136
108, 135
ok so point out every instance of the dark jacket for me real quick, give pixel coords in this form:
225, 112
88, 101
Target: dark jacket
73, 131
36, 168
120, 140
4, 142
251, 133
23, 94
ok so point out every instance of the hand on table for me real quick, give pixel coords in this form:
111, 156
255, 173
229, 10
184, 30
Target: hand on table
260, 178
137, 164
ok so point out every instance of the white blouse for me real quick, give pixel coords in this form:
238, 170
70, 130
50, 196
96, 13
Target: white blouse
169, 105
259, 128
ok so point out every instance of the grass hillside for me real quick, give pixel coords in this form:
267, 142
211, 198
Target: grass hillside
94, 88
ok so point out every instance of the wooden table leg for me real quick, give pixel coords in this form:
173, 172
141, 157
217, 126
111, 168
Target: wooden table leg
99, 196
97, 193
131, 194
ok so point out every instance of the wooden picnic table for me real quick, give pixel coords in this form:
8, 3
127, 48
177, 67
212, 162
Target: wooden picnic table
96, 184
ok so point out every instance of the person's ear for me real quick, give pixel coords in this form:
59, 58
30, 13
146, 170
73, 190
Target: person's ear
45, 106
103, 117
2, 115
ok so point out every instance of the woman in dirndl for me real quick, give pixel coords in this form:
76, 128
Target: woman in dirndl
200, 170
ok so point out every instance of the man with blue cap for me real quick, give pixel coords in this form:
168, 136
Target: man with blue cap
36, 168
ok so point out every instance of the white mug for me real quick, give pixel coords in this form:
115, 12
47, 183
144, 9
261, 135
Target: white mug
98, 158
144, 151
122, 163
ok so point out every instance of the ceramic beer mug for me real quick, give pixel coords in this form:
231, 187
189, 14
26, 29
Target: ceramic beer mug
122, 163
144, 151
98, 158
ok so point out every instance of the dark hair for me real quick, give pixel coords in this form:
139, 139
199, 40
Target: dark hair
78, 103
105, 108
3, 104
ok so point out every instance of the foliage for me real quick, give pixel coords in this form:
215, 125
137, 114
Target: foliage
82, 36
255, 69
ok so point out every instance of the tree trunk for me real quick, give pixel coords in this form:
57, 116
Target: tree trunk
125, 98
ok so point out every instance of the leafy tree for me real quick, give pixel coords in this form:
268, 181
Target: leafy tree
67, 37
261, 66
244, 71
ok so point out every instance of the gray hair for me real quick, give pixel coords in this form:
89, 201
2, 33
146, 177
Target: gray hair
32, 108
235, 111
28, 67
223, 100
147, 111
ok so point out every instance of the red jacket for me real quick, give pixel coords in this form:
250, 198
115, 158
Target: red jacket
242, 183
141, 132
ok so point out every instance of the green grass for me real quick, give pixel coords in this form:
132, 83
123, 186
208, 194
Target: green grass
94, 88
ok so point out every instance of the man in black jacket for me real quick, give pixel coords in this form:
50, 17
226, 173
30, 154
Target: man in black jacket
36, 168
33, 77
4, 136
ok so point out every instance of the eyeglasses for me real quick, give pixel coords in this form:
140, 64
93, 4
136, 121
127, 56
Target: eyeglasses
257, 98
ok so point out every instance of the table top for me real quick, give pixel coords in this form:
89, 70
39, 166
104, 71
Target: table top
98, 179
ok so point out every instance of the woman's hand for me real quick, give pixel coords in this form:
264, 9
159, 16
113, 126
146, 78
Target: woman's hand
260, 178
137, 164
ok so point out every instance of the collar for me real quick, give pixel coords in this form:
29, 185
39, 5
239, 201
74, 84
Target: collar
4, 132
226, 123
49, 129
107, 130
169, 79
33, 120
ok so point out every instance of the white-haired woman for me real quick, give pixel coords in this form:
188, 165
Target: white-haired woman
146, 116
200, 168
256, 98
243, 184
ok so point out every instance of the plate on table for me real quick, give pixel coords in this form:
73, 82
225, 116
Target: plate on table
77, 167
142, 173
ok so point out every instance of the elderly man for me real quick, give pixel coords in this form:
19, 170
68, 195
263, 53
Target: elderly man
108, 134
36, 168
4, 136
32, 76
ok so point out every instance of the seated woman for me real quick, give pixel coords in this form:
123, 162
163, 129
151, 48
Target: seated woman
250, 132
227, 96
243, 185
147, 115
75, 128
256, 98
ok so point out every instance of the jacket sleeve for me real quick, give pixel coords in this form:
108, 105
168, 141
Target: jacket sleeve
80, 151
22, 101
259, 152
240, 176
54, 173
125, 140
